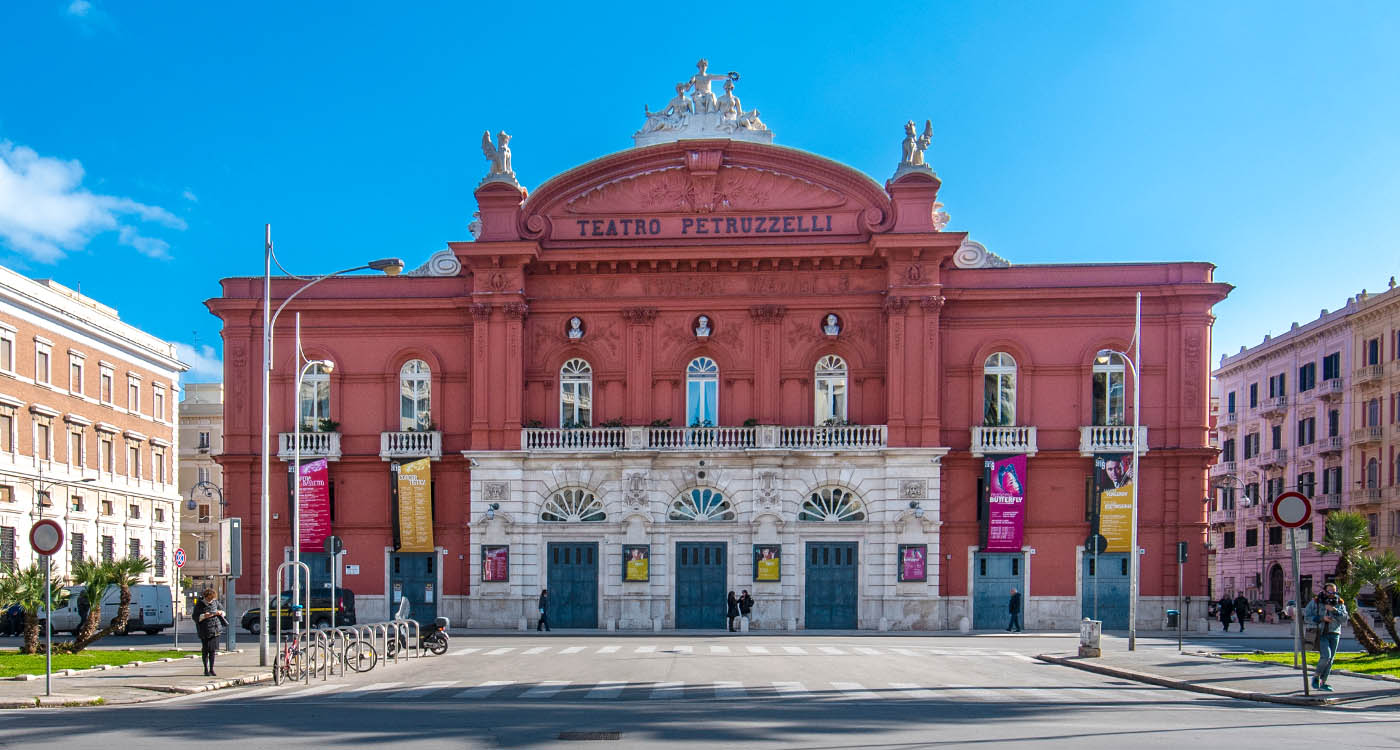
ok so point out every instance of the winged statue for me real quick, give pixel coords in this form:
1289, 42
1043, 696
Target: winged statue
499, 156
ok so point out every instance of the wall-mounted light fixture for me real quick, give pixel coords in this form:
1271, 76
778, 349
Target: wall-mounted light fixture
491, 510
918, 511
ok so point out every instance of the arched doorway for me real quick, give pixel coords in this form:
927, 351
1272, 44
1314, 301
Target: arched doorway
1276, 584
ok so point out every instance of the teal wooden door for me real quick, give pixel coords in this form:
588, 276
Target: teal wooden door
413, 575
320, 565
573, 584
993, 577
701, 578
1111, 575
833, 590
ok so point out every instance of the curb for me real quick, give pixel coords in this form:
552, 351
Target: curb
1152, 679
1346, 672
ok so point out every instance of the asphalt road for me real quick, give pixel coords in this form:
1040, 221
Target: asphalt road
681, 691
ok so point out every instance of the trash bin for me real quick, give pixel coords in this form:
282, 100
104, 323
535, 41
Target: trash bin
1173, 616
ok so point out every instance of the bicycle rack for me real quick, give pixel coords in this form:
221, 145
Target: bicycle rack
301, 568
417, 652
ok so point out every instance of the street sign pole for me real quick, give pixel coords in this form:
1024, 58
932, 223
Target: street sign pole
1298, 651
46, 538
1293, 509
179, 564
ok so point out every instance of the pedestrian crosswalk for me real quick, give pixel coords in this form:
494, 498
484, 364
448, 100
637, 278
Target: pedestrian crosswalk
683, 649
620, 690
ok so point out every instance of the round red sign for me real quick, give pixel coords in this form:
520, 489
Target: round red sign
46, 537
1292, 509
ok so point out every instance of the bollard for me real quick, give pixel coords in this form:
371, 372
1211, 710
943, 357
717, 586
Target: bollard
1090, 636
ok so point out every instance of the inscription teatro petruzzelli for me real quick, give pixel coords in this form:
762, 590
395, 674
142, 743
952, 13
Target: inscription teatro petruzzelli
709, 226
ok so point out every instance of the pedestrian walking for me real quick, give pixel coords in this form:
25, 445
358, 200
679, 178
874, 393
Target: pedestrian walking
1242, 610
1327, 612
1014, 606
1226, 606
544, 612
745, 604
209, 623
732, 612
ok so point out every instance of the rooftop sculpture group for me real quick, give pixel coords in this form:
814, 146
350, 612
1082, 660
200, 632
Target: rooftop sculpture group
695, 112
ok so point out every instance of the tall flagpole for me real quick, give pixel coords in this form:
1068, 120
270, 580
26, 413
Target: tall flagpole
1134, 562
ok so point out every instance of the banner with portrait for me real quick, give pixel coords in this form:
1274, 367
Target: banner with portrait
636, 562
314, 505
913, 562
1114, 475
1005, 480
495, 562
767, 562
415, 506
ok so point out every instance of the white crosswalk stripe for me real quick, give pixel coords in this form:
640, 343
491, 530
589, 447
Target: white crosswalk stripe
606, 691
535, 650
719, 649
912, 690
854, 690
831, 650
798, 650
463, 651
573, 650
499, 651
608, 649
904, 652
959, 692
665, 691
305, 692
758, 649
645, 650
790, 688
730, 690
545, 689
683, 649
867, 651
484, 689
1017, 655
360, 692
423, 690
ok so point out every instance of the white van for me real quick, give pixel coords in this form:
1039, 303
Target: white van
152, 609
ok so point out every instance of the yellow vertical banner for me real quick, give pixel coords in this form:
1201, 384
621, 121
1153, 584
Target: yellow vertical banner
1114, 477
415, 506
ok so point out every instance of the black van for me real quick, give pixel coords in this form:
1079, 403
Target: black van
320, 608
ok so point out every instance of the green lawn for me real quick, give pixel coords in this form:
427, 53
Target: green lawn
13, 663
1352, 662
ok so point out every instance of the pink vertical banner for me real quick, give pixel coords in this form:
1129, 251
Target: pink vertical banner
315, 510
1006, 503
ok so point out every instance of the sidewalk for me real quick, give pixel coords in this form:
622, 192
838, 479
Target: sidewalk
134, 683
1204, 672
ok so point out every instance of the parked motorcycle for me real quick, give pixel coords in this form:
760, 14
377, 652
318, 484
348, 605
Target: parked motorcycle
432, 638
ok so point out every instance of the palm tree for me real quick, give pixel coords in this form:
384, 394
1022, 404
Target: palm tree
1347, 536
123, 574
94, 577
1381, 570
25, 587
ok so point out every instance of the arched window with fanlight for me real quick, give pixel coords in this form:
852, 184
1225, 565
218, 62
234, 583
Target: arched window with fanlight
832, 504
701, 504
999, 390
576, 394
315, 400
415, 396
573, 505
831, 390
702, 393
1110, 377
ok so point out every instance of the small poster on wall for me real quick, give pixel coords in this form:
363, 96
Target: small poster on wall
913, 562
495, 562
636, 562
767, 562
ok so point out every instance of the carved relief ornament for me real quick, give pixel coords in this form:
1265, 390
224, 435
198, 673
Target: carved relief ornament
698, 190
896, 305
516, 309
639, 315
767, 313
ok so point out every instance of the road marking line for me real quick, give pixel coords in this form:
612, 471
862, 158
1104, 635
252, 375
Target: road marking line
1050, 696
645, 650
867, 651
464, 651
831, 650
960, 691
719, 649
854, 690
683, 649
795, 650
608, 649
484, 689
946, 652
904, 652
499, 651
314, 689
422, 690
790, 688
758, 649
729, 690
1017, 655
913, 690
605, 691
535, 650
573, 649
665, 691
545, 689
358, 692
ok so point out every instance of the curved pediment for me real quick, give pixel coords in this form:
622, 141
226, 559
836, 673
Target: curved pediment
703, 191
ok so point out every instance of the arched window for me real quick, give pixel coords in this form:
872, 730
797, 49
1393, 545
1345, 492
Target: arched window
832, 504
701, 504
702, 393
831, 390
572, 505
576, 394
1110, 374
999, 390
315, 406
415, 392
1373, 473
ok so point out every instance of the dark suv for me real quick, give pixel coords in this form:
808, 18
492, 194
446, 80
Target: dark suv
318, 603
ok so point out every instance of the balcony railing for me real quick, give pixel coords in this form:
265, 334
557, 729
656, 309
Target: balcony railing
1223, 467
1365, 495
825, 437
573, 439
410, 445
1001, 440
1275, 457
1372, 434
853, 437
695, 438
1370, 374
1110, 439
314, 445
1332, 444
1327, 501
1223, 516
1331, 389
1274, 405
1306, 449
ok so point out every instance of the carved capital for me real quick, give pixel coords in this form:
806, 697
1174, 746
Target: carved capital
767, 313
481, 310
516, 309
896, 305
639, 315
933, 303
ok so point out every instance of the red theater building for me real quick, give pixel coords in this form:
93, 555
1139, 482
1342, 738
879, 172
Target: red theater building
710, 363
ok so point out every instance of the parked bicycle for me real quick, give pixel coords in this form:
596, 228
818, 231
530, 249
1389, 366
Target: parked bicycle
295, 658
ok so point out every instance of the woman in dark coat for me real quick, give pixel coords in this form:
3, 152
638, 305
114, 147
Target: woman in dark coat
733, 611
1242, 610
209, 622
1226, 605
745, 604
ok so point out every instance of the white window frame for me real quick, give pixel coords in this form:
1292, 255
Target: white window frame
314, 382
76, 359
832, 396
12, 433
7, 344
133, 468
43, 348
576, 393
108, 376
133, 394
415, 396
1113, 368
158, 403
704, 372
1000, 368
47, 423
201, 474
80, 461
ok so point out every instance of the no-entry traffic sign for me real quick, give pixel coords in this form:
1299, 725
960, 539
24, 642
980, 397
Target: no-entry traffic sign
179, 557
1292, 509
46, 537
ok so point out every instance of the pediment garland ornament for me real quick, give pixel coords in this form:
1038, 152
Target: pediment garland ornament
681, 190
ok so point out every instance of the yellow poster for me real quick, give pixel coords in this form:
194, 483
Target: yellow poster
415, 506
637, 563
1116, 517
768, 563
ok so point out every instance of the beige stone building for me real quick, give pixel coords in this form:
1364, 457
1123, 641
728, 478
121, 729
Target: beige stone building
1374, 401
201, 481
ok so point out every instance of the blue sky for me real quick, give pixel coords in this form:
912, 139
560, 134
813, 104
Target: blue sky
144, 145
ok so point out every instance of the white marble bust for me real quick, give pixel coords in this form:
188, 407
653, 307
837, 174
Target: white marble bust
575, 328
832, 326
702, 327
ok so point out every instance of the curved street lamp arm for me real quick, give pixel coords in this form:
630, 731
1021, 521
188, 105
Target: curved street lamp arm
273, 321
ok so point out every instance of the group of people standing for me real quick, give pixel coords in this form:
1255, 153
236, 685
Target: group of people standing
738, 607
1238, 606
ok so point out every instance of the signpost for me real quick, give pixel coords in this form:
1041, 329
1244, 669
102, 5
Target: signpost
179, 563
333, 548
1291, 510
1181, 548
46, 538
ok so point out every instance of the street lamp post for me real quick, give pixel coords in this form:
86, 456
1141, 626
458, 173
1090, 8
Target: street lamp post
1134, 567
390, 267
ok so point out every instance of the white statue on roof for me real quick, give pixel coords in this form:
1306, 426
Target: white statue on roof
702, 114
499, 156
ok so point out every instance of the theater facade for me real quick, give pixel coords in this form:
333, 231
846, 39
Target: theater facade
709, 363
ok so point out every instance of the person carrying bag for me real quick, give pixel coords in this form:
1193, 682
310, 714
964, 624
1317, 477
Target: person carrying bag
1326, 613
209, 622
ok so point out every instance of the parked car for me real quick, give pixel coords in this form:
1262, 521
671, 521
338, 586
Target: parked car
152, 609
320, 610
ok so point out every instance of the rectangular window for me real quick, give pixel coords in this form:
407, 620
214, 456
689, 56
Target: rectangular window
7, 431
1334, 422
76, 553
1253, 395
1229, 540
1276, 437
1307, 431
7, 351
7, 493
104, 387
133, 510
1332, 366
203, 514
1227, 450
158, 465
158, 557
1307, 483
201, 550
1373, 351
203, 440
1277, 387
41, 362
1275, 535
43, 439
159, 513
133, 547
1251, 491
75, 449
1332, 480
7, 547
108, 454
1251, 537
133, 461
1230, 402
201, 474
1307, 377
1373, 520
109, 548
75, 375
75, 503
158, 404
45, 498
1251, 445
106, 507
133, 396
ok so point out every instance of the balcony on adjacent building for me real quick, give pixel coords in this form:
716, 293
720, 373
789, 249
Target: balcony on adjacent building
1333, 444
1368, 375
1276, 457
1232, 419
410, 444
314, 445
1222, 516
1366, 495
594, 439
1274, 406
1306, 449
1111, 439
1251, 463
1327, 501
1331, 389
1364, 435
1003, 440
1220, 468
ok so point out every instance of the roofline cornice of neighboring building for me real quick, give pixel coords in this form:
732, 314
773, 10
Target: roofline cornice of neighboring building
1333, 320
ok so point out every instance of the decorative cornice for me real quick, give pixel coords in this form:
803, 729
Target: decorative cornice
933, 303
767, 313
481, 310
516, 310
895, 305
639, 315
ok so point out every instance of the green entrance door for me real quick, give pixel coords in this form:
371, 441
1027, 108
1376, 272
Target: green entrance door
573, 584
832, 586
994, 575
701, 577
413, 576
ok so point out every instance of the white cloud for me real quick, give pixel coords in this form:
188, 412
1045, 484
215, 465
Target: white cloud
45, 212
204, 362
189, 196
79, 8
